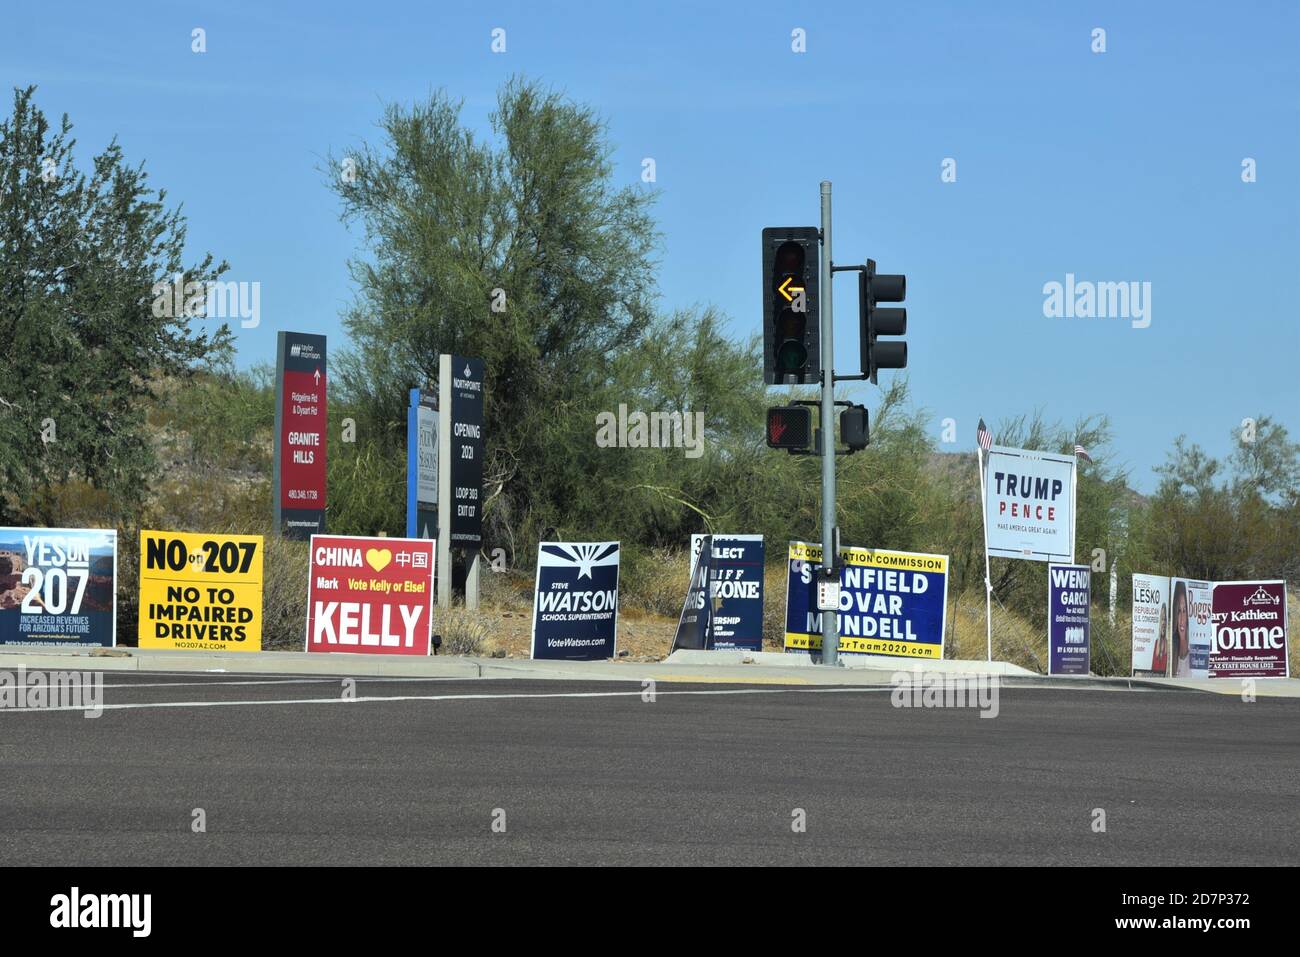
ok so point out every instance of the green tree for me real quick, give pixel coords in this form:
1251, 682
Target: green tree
1233, 518
530, 223
80, 341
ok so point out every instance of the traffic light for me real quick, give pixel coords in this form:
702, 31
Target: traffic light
874, 287
853, 427
791, 336
789, 427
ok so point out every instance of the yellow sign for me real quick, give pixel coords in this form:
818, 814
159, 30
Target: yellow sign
890, 603
200, 591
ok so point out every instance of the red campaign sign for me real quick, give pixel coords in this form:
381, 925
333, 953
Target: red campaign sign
302, 440
370, 595
1250, 630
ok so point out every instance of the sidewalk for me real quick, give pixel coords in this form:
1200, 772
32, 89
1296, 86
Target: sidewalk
709, 667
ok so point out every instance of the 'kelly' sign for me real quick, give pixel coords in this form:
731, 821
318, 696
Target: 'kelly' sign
370, 595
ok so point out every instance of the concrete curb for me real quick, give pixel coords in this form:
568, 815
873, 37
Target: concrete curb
699, 667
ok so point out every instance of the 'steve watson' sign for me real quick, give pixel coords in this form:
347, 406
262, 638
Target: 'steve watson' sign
300, 423
460, 397
575, 600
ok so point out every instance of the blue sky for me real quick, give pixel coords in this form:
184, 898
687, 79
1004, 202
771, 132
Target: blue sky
1117, 166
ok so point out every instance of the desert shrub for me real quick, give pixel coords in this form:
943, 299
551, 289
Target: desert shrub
464, 632
654, 579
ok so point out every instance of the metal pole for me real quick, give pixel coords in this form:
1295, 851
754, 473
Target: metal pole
988, 580
444, 559
830, 618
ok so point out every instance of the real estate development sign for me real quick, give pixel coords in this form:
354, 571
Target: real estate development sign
58, 587
1150, 626
736, 588
1029, 505
300, 422
891, 603
1068, 625
1250, 630
422, 466
200, 591
575, 600
460, 398
1190, 630
370, 595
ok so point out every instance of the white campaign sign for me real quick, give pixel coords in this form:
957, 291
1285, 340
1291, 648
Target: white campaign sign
1029, 505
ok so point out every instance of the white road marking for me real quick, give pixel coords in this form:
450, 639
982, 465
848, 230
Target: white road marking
371, 699
369, 679
278, 681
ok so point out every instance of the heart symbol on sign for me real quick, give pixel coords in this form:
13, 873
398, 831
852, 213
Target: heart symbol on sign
378, 558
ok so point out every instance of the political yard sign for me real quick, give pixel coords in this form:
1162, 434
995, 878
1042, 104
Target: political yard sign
1029, 505
1068, 624
58, 587
575, 600
694, 625
1191, 628
200, 591
370, 595
1250, 630
736, 589
1150, 625
891, 603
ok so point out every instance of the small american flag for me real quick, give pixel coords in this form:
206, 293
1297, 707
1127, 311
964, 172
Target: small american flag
1082, 453
984, 437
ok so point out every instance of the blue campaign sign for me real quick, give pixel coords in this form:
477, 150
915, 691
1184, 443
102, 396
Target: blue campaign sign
58, 587
1068, 638
736, 587
891, 603
575, 600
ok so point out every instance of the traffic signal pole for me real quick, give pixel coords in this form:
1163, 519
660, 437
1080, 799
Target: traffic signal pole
830, 617
799, 349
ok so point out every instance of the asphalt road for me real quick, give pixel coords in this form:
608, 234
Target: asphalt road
588, 773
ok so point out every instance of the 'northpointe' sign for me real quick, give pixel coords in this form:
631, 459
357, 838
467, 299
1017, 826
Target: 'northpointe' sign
461, 398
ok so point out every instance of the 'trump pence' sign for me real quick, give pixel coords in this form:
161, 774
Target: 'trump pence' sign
1029, 505
370, 595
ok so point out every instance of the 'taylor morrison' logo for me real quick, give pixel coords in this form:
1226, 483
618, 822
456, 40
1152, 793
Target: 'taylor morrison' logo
658, 430
1098, 300
212, 299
